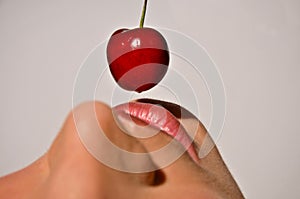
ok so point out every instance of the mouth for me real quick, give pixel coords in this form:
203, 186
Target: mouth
163, 116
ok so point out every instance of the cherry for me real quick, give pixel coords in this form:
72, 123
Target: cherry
138, 58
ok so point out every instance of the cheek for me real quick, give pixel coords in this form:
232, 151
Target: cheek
184, 191
200, 193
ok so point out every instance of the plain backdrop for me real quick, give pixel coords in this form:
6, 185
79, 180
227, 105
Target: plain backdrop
255, 43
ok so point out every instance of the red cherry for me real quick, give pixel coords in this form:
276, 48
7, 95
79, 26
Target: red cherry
138, 58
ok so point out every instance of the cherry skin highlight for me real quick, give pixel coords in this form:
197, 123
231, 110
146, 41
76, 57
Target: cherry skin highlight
138, 58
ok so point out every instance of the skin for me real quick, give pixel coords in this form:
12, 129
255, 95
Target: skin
68, 171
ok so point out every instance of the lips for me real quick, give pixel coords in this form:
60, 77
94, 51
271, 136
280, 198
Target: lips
160, 118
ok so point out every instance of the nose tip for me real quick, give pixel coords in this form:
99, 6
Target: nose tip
94, 118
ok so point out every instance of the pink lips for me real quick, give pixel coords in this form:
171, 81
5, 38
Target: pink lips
159, 117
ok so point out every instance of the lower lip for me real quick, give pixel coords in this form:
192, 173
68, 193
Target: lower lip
158, 117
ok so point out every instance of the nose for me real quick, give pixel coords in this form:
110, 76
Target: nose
74, 168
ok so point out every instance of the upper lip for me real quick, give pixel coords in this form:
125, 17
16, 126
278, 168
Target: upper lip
161, 115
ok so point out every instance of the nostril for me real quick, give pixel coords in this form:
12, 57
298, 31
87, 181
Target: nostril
159, 178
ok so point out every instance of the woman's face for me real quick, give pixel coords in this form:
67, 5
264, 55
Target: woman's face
70, 169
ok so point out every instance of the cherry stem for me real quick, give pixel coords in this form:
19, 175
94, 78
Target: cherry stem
143, 14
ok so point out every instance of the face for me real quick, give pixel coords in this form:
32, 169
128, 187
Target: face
70, 168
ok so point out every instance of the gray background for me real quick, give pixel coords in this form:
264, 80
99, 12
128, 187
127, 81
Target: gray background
255, 44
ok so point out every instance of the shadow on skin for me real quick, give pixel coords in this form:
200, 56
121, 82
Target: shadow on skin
68, 170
